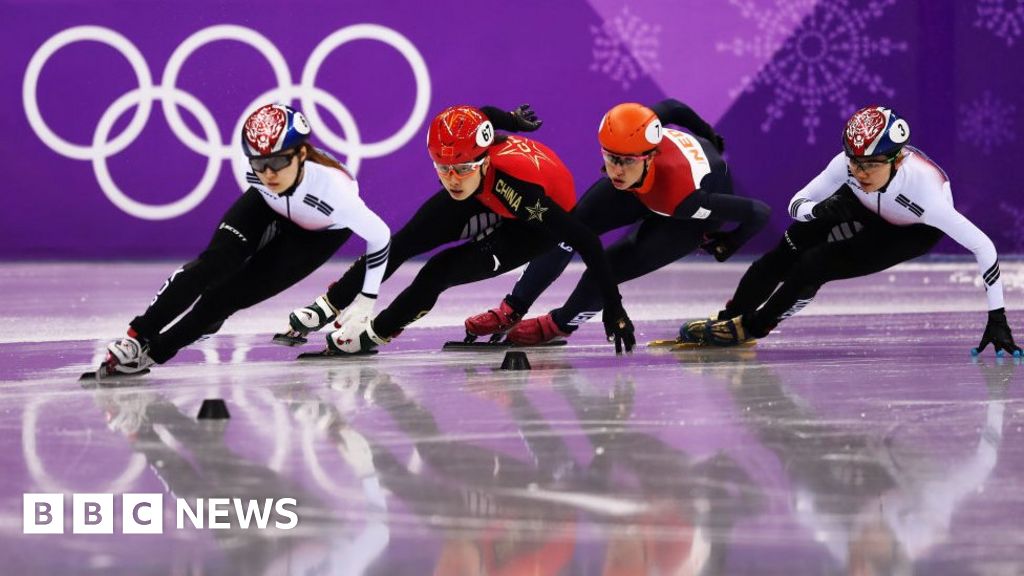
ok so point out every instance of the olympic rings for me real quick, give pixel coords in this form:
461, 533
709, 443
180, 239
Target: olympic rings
197, 41
213, 146
122, 200
35, 66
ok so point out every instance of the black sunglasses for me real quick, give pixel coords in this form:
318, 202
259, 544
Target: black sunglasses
869, 165
275, 163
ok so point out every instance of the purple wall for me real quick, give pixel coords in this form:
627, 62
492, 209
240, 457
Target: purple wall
777, 77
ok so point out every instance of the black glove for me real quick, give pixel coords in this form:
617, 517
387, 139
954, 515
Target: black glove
997, 333
525, 119
618, 327
718, 142
720, 245
842, 206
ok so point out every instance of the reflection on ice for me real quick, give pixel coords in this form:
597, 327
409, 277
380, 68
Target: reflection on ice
866, 444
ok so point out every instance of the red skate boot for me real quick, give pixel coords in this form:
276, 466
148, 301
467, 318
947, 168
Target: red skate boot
536, 331
495, 322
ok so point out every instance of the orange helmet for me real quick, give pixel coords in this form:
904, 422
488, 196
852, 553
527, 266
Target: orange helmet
459, 134
630, 129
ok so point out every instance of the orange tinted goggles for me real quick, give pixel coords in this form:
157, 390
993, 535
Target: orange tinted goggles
464, 169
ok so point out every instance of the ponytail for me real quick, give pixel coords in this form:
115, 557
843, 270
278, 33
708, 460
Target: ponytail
324, 158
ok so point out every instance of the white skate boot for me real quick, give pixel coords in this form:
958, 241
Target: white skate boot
307, 319
125, 357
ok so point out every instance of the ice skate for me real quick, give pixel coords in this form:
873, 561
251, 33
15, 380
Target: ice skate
304, 320
730, 332
125, 357
345, 342
694, 331
496, 322
536, 331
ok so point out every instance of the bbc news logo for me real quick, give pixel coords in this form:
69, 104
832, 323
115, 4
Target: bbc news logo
144, 513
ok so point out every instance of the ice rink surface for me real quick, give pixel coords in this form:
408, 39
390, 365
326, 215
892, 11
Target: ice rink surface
859, 438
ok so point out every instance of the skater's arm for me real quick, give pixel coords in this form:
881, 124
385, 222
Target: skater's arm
945, 217
823, 186
539, 209
569, 229
520, 119
672, 111
564, 226
751, 214
355, 215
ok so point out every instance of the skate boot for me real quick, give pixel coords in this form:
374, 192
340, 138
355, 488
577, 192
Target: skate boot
346, 342
693, 331
536, 331
307, 319
730, 332
125, 357
495, 322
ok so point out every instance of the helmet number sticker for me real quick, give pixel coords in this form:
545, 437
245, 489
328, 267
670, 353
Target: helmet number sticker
485, 134
899, 132
653, 132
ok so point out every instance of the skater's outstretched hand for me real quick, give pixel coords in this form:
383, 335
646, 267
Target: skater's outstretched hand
358, 313
997, 332
525, 119
618, 327
720, 245
842, 206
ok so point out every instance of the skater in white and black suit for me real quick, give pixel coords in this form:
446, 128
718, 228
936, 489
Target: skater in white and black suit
878, 203
300, 207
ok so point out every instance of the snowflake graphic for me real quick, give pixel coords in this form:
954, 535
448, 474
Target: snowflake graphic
625, 48
1004, 18
830, 51
987, 122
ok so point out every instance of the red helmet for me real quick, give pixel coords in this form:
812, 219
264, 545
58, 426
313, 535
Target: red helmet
459, 134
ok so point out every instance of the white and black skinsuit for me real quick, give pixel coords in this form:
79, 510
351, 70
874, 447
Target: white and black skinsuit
919, 193
264, 244
902, 221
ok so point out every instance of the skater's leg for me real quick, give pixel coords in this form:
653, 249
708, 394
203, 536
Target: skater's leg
656, 243
764, 274
291, 256
872, 250
438, 221
236, 239
601, 209
510, 246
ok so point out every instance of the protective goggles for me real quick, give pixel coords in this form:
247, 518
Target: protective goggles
275, 163
624, 160
869, 165
464, 169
